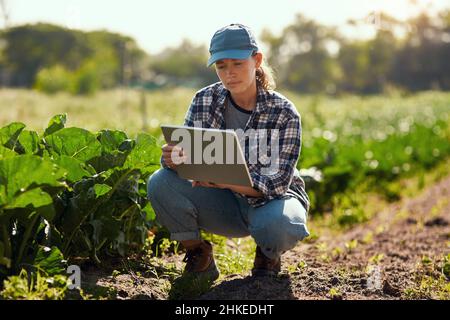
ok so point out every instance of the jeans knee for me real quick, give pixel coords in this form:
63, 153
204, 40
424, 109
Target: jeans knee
155, 183
172, 209
280, 234
294, 225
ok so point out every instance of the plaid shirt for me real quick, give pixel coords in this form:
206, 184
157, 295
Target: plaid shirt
273, 111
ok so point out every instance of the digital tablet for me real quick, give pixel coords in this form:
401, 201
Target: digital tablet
213, 155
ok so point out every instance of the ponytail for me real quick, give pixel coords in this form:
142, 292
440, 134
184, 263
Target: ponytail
264, 76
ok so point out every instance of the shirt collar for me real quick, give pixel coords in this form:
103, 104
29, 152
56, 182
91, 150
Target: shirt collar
261, 99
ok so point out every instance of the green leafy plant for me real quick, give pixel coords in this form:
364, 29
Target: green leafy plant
79, 192
34, 286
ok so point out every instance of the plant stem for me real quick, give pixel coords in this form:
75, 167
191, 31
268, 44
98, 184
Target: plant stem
25, 238
6, 239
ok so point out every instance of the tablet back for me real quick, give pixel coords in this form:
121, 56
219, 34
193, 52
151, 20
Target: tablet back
213, 155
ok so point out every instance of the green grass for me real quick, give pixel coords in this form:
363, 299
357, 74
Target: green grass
431, 279
35, 286
115, 109
233, 256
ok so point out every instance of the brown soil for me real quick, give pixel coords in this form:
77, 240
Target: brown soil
388, 258
403, 233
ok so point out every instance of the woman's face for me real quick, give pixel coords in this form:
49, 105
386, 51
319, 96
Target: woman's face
238, 75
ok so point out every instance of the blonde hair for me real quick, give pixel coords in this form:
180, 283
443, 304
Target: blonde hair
264, 76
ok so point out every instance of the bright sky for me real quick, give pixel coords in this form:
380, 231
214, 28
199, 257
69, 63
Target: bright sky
159, 24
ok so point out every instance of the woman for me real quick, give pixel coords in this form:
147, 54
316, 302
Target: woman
274, 211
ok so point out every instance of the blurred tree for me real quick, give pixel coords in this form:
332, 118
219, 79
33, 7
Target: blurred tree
423, 62
118, 58
53, 79
306, 57
354, 61
184, 65
444, 50
302, 57
86, 78
366, 64
381, 55
30, 48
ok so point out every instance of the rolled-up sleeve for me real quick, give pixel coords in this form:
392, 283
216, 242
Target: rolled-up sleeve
275, 185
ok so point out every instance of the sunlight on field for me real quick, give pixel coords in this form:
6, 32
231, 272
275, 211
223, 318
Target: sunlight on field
121, 109
116, 109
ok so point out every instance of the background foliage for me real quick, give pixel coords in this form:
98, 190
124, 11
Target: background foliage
307, 57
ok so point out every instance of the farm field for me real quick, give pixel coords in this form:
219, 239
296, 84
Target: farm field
73, 172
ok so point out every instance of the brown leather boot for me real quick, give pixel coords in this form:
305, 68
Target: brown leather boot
200, 261
263, 266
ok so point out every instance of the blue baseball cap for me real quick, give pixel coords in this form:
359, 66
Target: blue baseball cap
234, 41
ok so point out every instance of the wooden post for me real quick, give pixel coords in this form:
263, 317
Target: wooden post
143, 109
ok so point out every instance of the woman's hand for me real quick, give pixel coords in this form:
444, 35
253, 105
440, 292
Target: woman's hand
173, 155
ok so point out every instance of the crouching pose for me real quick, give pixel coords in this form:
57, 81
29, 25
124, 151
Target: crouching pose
275, 209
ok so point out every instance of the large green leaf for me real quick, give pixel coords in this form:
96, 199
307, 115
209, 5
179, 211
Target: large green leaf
75, 169
36, 199
98, 208
23, 173
87, 195
101, 190
50, 260
29, 140
10, 133
145, 154
149, 212
74, 142
6, 153
115, 148
56, 123
106, 161
124, 182
104, 228
111, 139
80, 205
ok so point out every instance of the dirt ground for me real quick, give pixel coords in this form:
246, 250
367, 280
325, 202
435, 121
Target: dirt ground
400, 247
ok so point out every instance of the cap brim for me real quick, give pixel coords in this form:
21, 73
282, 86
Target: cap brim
229, 54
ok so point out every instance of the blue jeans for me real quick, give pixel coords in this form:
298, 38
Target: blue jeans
184, 210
